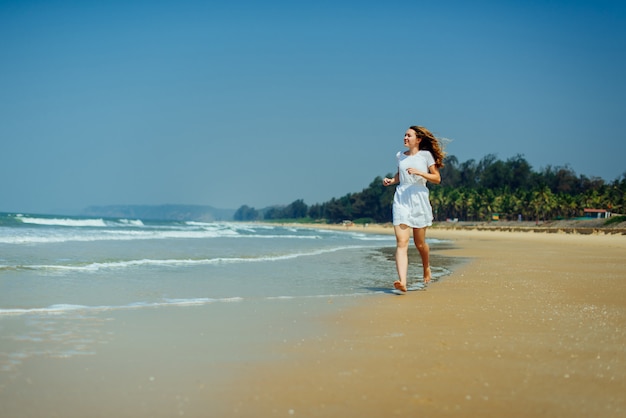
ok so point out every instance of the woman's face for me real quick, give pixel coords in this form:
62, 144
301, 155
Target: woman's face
410, 138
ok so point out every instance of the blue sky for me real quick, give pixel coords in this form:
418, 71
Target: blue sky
227, 103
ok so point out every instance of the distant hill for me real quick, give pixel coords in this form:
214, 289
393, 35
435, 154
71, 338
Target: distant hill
162, 212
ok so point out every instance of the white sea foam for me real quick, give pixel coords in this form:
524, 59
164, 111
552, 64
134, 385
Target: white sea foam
132, 222
110, 235
202, 224
121, 232
95, 267
61, 309
372, 237
63, 221
69, 222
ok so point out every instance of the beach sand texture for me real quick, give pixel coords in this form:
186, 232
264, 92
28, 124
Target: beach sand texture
533, 325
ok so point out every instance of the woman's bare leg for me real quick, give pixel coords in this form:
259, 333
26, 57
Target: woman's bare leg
419, 238
403, 235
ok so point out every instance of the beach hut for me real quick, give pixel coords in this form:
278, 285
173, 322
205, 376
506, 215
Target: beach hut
597, 213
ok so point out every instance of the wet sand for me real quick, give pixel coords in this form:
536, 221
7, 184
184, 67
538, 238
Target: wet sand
533, 325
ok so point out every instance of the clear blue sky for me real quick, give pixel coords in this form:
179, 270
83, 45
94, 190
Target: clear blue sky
227, 103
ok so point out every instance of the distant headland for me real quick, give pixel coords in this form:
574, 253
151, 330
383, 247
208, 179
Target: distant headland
200, 213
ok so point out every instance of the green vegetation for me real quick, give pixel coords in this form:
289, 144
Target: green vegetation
615, 220
471, 191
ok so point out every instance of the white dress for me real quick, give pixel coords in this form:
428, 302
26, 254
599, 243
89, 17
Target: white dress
411, 205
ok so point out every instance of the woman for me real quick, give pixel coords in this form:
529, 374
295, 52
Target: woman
411, 207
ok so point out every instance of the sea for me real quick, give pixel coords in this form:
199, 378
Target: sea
70, 285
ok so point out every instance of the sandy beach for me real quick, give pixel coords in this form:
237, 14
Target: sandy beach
534, 324
529, 324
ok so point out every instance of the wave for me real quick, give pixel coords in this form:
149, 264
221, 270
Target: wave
28, 229
77, 222
63, 222
110, 235
131, 222
125, 264
24, 229
61, 309
117, 235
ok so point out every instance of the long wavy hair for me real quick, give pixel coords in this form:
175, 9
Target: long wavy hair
430, 143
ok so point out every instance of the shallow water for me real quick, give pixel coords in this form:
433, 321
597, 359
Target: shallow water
70, 286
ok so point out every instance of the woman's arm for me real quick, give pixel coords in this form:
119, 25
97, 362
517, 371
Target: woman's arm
388, 182
432, 176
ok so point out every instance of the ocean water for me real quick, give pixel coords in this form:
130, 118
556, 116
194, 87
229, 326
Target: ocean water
63, 278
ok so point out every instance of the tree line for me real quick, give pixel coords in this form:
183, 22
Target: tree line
470, 191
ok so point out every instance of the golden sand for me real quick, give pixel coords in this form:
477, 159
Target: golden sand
533, 325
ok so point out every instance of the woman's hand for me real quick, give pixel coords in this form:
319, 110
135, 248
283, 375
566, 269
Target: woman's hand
387, 181
432, 176
415, 171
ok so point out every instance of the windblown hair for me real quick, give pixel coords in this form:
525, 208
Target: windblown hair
430, 143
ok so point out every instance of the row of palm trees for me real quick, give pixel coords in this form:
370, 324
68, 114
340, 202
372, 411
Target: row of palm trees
476, 190
541, 203
472, 191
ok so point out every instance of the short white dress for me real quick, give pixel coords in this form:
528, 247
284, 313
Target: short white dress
411, 204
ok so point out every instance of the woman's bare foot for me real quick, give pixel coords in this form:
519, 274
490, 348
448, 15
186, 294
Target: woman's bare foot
427, 275
399, 286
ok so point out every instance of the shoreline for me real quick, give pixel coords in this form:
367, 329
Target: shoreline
580, 227
533, 325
